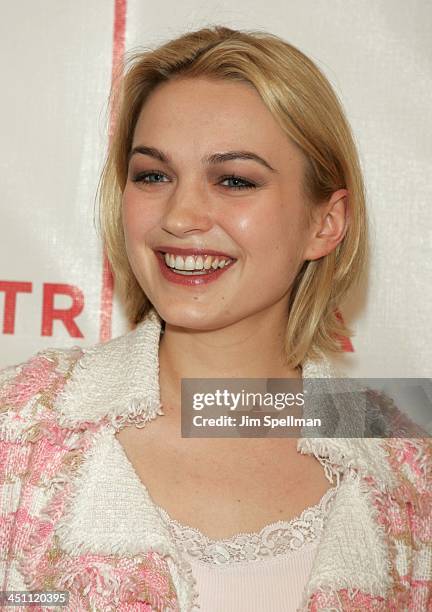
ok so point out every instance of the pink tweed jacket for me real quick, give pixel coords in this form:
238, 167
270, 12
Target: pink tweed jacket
74, 516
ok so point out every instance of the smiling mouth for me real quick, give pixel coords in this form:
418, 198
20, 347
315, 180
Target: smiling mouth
195, 265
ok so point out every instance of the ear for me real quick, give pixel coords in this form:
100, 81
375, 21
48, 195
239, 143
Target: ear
329, 226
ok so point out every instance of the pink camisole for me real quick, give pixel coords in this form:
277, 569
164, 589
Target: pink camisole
254, 572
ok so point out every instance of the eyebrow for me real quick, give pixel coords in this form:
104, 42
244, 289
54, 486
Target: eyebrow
214, 158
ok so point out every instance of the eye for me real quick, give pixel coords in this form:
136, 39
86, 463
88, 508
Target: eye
239, 183
142, 177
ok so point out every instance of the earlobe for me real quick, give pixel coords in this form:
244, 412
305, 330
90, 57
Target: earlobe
330, 226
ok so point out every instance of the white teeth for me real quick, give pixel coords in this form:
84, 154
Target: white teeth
189, 263
188, 272
169, 260
179, 263
193, 264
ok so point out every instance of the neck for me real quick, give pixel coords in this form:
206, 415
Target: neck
250, 348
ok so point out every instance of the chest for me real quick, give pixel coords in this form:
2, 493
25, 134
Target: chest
223, 487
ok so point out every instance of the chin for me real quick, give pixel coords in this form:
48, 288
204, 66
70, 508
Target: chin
194, 317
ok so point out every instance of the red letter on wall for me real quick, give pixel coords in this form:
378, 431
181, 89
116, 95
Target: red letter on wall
345, 342
49, 313
11, 289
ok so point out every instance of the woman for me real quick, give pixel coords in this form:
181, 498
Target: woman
232, 210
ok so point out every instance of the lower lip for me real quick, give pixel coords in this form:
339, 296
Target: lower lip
192, 280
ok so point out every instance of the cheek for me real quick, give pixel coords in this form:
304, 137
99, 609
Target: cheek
272, 233
136, 219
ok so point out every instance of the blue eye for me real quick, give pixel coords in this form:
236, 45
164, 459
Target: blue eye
145, 177
245, 184
142, 176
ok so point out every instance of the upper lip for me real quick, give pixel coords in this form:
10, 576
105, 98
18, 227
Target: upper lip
191, 251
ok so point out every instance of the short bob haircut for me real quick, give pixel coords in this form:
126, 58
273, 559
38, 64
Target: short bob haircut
307, 109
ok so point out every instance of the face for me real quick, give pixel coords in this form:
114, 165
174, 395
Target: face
190, 193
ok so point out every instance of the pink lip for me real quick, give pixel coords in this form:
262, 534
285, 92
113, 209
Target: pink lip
196, 279
191, 251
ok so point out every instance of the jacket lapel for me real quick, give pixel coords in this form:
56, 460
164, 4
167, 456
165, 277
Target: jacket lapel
352, 553
111, 516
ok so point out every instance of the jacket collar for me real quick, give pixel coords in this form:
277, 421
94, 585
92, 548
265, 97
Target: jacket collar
118, 382
120, 378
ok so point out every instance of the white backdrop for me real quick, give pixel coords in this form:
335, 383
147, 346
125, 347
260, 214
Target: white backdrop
57, 60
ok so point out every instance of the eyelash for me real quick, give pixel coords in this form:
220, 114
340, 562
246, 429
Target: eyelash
139, 178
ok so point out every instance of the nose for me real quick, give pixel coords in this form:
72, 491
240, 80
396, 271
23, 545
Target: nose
187, 211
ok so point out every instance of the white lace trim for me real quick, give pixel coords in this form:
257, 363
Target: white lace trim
271, 541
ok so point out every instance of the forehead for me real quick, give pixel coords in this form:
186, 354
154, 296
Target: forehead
206, 114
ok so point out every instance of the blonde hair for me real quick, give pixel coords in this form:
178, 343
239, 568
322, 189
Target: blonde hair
303, 102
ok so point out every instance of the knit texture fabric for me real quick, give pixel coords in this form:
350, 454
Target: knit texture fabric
71, 519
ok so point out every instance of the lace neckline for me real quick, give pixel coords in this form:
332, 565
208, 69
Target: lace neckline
273, 540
